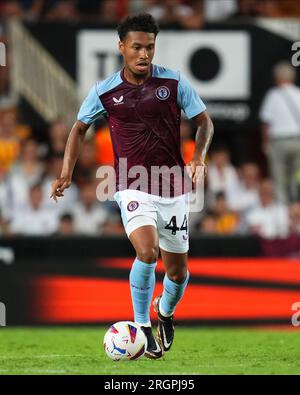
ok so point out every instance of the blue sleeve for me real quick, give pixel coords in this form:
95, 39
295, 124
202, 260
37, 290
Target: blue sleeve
91, 108
188, 99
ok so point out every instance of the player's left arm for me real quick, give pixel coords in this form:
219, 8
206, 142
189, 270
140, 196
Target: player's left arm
203, 139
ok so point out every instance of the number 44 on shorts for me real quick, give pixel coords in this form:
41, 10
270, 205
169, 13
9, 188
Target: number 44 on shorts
172, 225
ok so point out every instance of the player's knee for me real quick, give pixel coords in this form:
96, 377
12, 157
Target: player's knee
179, 276
148, 254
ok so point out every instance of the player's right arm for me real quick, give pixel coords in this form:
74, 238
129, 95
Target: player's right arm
90, 110
72, 151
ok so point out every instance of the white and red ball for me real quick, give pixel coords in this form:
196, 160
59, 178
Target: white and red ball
125, 341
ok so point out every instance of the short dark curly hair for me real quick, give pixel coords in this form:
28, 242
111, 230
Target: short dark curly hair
138, 23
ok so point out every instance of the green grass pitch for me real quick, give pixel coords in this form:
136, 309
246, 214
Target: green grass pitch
78, 350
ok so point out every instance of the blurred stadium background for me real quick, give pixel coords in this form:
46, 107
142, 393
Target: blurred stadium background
68, 263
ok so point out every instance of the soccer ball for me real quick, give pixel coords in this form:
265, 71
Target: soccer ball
125, 341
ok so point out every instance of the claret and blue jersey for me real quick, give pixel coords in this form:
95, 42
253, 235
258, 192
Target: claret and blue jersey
144, 120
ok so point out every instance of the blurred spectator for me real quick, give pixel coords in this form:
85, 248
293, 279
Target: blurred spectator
222, 176
227, 221
28, 166
33, 9
193, 19
137, 6
247, 8
89, 215
58, 135
166, 11
280, 116
109, 11
66, 225
266, 8
25, 9
11, 9
244, 195
114, 226
9, 140
172, 13
290, 8
3, 226
33, 218
269, 219
294, 218
187, 141
176, 13
290, 245
9, 116
53, 170
218, 10
88, 9
63, 10
5, 194
26, 172
270, 8
208, 223
86, 166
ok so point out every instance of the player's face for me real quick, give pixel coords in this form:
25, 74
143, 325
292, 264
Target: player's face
138, 50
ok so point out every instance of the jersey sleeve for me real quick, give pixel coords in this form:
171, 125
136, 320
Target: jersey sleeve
91, 108
188, 99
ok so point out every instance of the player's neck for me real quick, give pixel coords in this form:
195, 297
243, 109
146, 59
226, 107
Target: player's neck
134, 79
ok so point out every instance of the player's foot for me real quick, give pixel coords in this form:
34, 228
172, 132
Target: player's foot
154, 349
165, 329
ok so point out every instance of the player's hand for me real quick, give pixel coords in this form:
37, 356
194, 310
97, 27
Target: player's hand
58, 186
197, 169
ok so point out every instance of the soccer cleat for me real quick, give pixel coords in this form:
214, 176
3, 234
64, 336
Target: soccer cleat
165, 329
154, 349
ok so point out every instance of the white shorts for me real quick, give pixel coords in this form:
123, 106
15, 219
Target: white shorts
168, 215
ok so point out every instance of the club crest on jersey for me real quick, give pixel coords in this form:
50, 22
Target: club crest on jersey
119, 101
162, 93
133, 205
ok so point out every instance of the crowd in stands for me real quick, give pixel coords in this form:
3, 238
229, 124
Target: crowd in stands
27, 168
238, 200
188, 14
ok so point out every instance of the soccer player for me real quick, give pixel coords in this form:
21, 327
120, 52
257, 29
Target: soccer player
143, 104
